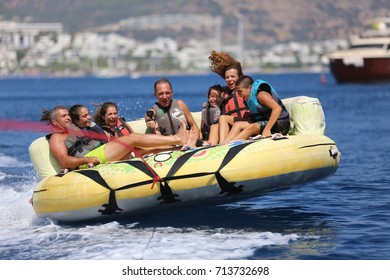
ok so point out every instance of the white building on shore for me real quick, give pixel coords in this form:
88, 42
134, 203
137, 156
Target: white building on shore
22, 35
43, 48
16, 36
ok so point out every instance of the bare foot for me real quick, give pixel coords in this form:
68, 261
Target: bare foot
182, 133
206, 143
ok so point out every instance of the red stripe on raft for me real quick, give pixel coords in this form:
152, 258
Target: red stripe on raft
12, 125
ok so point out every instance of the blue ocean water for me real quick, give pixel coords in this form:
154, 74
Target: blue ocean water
345, 216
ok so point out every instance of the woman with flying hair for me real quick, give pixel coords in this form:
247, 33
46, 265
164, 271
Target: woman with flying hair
233, 106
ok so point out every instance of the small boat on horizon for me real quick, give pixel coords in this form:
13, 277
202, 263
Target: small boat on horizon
368, 58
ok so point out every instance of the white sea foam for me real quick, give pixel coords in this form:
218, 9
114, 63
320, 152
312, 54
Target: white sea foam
15, 210
2, 176
35, 238
7, 161
115, 241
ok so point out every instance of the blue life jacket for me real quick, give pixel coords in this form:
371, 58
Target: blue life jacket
260, 112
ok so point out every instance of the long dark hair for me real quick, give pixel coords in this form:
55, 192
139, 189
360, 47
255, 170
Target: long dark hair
74, 112
101, 111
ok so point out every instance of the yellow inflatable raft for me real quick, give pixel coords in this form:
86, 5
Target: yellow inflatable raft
212, 174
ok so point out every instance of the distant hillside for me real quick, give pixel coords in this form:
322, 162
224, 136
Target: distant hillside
266, 21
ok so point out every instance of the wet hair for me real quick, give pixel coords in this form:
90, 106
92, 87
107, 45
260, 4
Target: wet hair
218, 88
162, 81
49, 115
101, 110
74, 112
245, 81
221, 62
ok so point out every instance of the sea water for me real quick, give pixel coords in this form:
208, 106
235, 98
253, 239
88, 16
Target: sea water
345, 216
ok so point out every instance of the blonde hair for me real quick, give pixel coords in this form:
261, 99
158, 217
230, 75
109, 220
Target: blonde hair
221, 62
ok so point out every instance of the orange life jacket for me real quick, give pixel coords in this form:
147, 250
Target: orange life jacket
120, 129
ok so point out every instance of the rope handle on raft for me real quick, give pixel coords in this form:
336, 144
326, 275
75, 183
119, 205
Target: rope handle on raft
156, 178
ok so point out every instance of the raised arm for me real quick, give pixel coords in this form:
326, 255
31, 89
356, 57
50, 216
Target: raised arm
151, 124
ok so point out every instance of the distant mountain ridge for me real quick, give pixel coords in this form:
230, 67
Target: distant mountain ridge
265, 22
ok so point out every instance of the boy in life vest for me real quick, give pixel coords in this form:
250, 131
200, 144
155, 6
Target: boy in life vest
267, 113
211, 111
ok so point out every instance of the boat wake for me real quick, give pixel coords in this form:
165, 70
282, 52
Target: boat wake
7, 161
212, 232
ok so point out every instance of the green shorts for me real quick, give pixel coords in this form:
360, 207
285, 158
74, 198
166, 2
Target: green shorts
99, 153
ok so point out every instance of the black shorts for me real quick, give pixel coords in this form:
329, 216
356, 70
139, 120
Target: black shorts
281, 126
